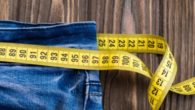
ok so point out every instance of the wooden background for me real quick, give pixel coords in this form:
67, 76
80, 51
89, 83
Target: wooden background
173, 19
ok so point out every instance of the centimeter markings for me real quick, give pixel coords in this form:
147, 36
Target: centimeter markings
71, 58
164, 76
157, 90
132, 43
162, 80
186, 87
111, 55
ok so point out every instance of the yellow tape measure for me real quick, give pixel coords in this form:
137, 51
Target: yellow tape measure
114, 53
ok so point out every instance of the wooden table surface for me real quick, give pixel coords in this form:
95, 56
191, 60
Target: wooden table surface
173, 19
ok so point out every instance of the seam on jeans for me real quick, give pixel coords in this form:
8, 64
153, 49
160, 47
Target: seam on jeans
38, 28
95, 94
37, 24
86, 90
26, 23
94, 83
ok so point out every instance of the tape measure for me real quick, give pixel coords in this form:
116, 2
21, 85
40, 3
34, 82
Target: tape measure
114, 53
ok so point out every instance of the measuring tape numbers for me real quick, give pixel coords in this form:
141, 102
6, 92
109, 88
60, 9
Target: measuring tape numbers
114, 53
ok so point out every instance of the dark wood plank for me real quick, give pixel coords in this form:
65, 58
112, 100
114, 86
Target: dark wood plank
3, 9
173, 19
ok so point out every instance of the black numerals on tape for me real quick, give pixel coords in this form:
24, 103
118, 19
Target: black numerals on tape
159, 82
135, 63
75, 58
105, 59
193, 83
22, 53
43, 55
151, 44
165, 72
187, 88
112, 43
85, 58
12, 52
64, 57
141, 43
131, 43
160, 45
155, 91
2, 51
54, 56
121, 43
33, 55
151, 100
169, 64
115, 59
102, 43
95, 60
125, 60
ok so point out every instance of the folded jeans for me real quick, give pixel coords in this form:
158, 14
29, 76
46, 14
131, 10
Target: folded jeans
32, 87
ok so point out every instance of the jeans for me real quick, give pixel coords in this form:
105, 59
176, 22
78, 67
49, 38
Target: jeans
32, 87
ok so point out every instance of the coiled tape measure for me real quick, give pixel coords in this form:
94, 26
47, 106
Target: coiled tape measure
114, 54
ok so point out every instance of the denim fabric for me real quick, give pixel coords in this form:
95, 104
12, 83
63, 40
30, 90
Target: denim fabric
32, 87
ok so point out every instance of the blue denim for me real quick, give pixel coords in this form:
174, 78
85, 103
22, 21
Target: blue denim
33, 87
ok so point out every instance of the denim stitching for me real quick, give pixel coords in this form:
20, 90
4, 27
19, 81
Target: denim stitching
80, 25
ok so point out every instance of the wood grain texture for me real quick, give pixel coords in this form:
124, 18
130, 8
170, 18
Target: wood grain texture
173, 19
